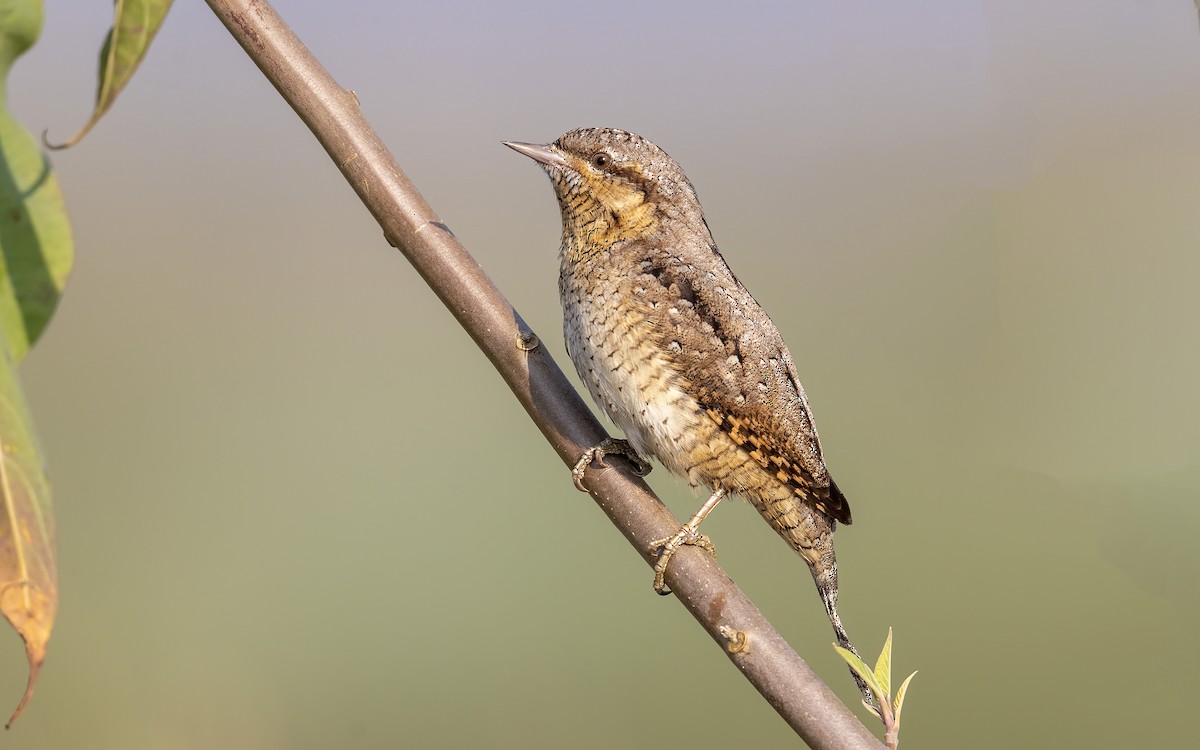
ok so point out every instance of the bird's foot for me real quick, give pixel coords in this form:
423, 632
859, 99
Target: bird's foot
667, 547
609, 447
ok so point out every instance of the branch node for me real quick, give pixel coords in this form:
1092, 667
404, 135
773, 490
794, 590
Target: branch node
738, 640
527, 341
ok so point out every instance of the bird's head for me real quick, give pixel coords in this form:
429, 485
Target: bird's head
613, 186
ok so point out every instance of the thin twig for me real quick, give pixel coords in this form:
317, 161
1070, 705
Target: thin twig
333, 115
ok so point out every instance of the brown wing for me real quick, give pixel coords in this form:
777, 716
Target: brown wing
772, 454
742, 373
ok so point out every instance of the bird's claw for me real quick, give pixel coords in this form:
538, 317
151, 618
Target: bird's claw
667, 548
608, 447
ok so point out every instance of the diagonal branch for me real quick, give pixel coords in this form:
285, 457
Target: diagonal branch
333, 115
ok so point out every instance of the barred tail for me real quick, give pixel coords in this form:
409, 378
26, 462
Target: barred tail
827, 587
810, 532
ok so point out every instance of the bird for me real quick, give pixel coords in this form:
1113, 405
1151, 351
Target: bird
681, 357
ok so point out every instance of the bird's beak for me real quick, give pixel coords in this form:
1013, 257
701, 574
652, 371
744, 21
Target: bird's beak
542, 154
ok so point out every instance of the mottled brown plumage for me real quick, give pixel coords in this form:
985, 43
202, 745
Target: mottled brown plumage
677, 352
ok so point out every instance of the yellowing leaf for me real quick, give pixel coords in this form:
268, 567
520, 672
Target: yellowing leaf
35, 256
883, 668
135, 22
28, 576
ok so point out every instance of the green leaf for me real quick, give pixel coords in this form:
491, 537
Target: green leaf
36, 247
874, 711
28, 578
20, 26
35, 256
35, 237
862, 670
135, 22
900, 696
883, 668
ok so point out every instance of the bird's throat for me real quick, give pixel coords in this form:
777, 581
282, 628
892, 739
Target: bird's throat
593, 226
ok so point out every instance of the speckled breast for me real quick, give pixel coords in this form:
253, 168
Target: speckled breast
633, 381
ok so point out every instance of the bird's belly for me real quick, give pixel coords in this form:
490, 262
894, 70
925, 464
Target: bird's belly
635, 384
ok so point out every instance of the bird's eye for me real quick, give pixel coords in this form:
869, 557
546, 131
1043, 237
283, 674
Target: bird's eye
601, 159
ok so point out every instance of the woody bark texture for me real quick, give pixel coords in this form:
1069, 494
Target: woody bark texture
730, 618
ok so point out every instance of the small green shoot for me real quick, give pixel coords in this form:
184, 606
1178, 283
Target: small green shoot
880, 682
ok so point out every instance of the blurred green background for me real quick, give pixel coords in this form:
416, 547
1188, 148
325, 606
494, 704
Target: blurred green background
297, 509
